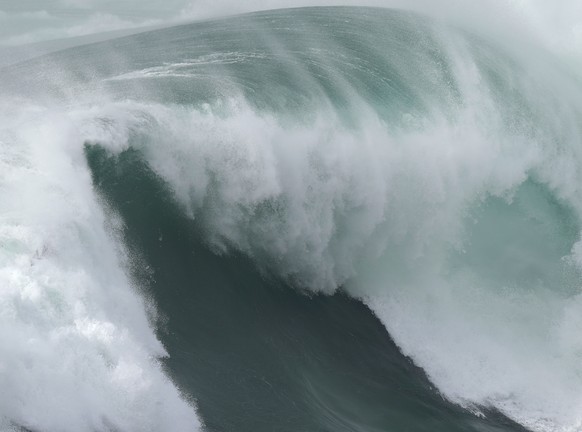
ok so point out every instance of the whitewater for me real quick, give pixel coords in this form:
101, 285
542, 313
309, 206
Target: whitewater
428, 170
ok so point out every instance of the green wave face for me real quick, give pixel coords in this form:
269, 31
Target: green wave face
267, 174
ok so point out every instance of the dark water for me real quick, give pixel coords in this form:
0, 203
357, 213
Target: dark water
420, 176
255, 354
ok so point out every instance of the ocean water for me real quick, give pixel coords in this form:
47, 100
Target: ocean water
311, 219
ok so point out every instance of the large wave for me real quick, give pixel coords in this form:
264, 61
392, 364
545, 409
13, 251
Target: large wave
422, 169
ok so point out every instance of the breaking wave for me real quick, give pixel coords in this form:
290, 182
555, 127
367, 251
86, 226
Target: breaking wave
422, 169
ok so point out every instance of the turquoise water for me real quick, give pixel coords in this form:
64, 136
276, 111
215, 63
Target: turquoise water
315, 219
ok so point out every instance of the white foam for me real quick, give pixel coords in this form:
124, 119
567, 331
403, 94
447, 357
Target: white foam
381, 210
188, 68
77, 352
377, 209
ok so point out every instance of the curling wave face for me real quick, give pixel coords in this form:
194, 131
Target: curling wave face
424, 170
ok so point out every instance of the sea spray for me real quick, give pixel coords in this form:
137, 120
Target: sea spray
77, 351
347, 154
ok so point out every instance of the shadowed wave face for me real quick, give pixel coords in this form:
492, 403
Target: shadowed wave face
316, 219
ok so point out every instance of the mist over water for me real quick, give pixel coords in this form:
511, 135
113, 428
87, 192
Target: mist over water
558, 25
424, 165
